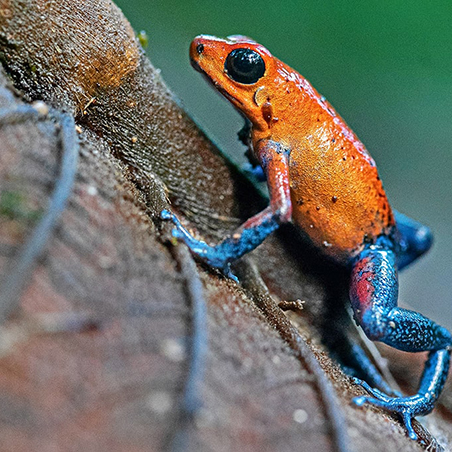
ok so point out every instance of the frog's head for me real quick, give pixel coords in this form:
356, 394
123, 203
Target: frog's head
240, 69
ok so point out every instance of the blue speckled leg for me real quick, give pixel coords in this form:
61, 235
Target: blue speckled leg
363, 366
241, 242
414, 239
373, 294
275, 162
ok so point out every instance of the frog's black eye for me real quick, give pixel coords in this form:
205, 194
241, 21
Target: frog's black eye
244, 66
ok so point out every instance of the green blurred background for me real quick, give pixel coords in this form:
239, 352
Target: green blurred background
385, 65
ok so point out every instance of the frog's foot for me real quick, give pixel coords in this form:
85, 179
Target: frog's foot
215, 256
407, 407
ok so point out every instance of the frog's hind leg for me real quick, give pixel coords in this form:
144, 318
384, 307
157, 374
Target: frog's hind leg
373, 294
348, 352
358, 364
414, 239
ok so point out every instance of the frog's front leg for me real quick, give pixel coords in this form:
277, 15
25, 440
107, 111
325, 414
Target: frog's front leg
274, 160
373, 294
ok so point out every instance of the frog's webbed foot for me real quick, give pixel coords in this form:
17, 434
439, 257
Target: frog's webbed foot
406, 407
215, 256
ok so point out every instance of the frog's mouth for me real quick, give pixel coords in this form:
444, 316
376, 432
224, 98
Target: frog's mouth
228, 96
196, 66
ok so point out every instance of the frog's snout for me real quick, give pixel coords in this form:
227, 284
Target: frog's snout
196, 49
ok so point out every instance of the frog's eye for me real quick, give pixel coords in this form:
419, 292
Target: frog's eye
244, 66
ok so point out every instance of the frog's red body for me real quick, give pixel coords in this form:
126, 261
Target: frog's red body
337, 197
321, 177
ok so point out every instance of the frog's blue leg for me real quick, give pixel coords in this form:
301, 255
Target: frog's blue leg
362, 366
414, 239
373, 294
275, 162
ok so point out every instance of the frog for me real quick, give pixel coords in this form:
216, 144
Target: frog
321, 178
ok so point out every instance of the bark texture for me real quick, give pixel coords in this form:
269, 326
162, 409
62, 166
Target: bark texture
121, 342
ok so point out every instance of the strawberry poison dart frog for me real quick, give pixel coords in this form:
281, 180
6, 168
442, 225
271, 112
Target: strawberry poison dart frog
322, 178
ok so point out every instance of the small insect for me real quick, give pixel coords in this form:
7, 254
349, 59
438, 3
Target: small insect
322, 178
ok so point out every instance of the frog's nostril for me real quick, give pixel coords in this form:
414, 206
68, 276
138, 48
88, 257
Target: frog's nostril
200, 48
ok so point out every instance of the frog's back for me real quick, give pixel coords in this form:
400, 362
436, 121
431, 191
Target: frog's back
338, 198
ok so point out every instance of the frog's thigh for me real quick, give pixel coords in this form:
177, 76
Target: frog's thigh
415, 239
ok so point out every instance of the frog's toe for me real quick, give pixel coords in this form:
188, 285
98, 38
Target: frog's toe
407, 420
359, 401
228, 273
177, 234
166, 215
169, 216
374, 391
